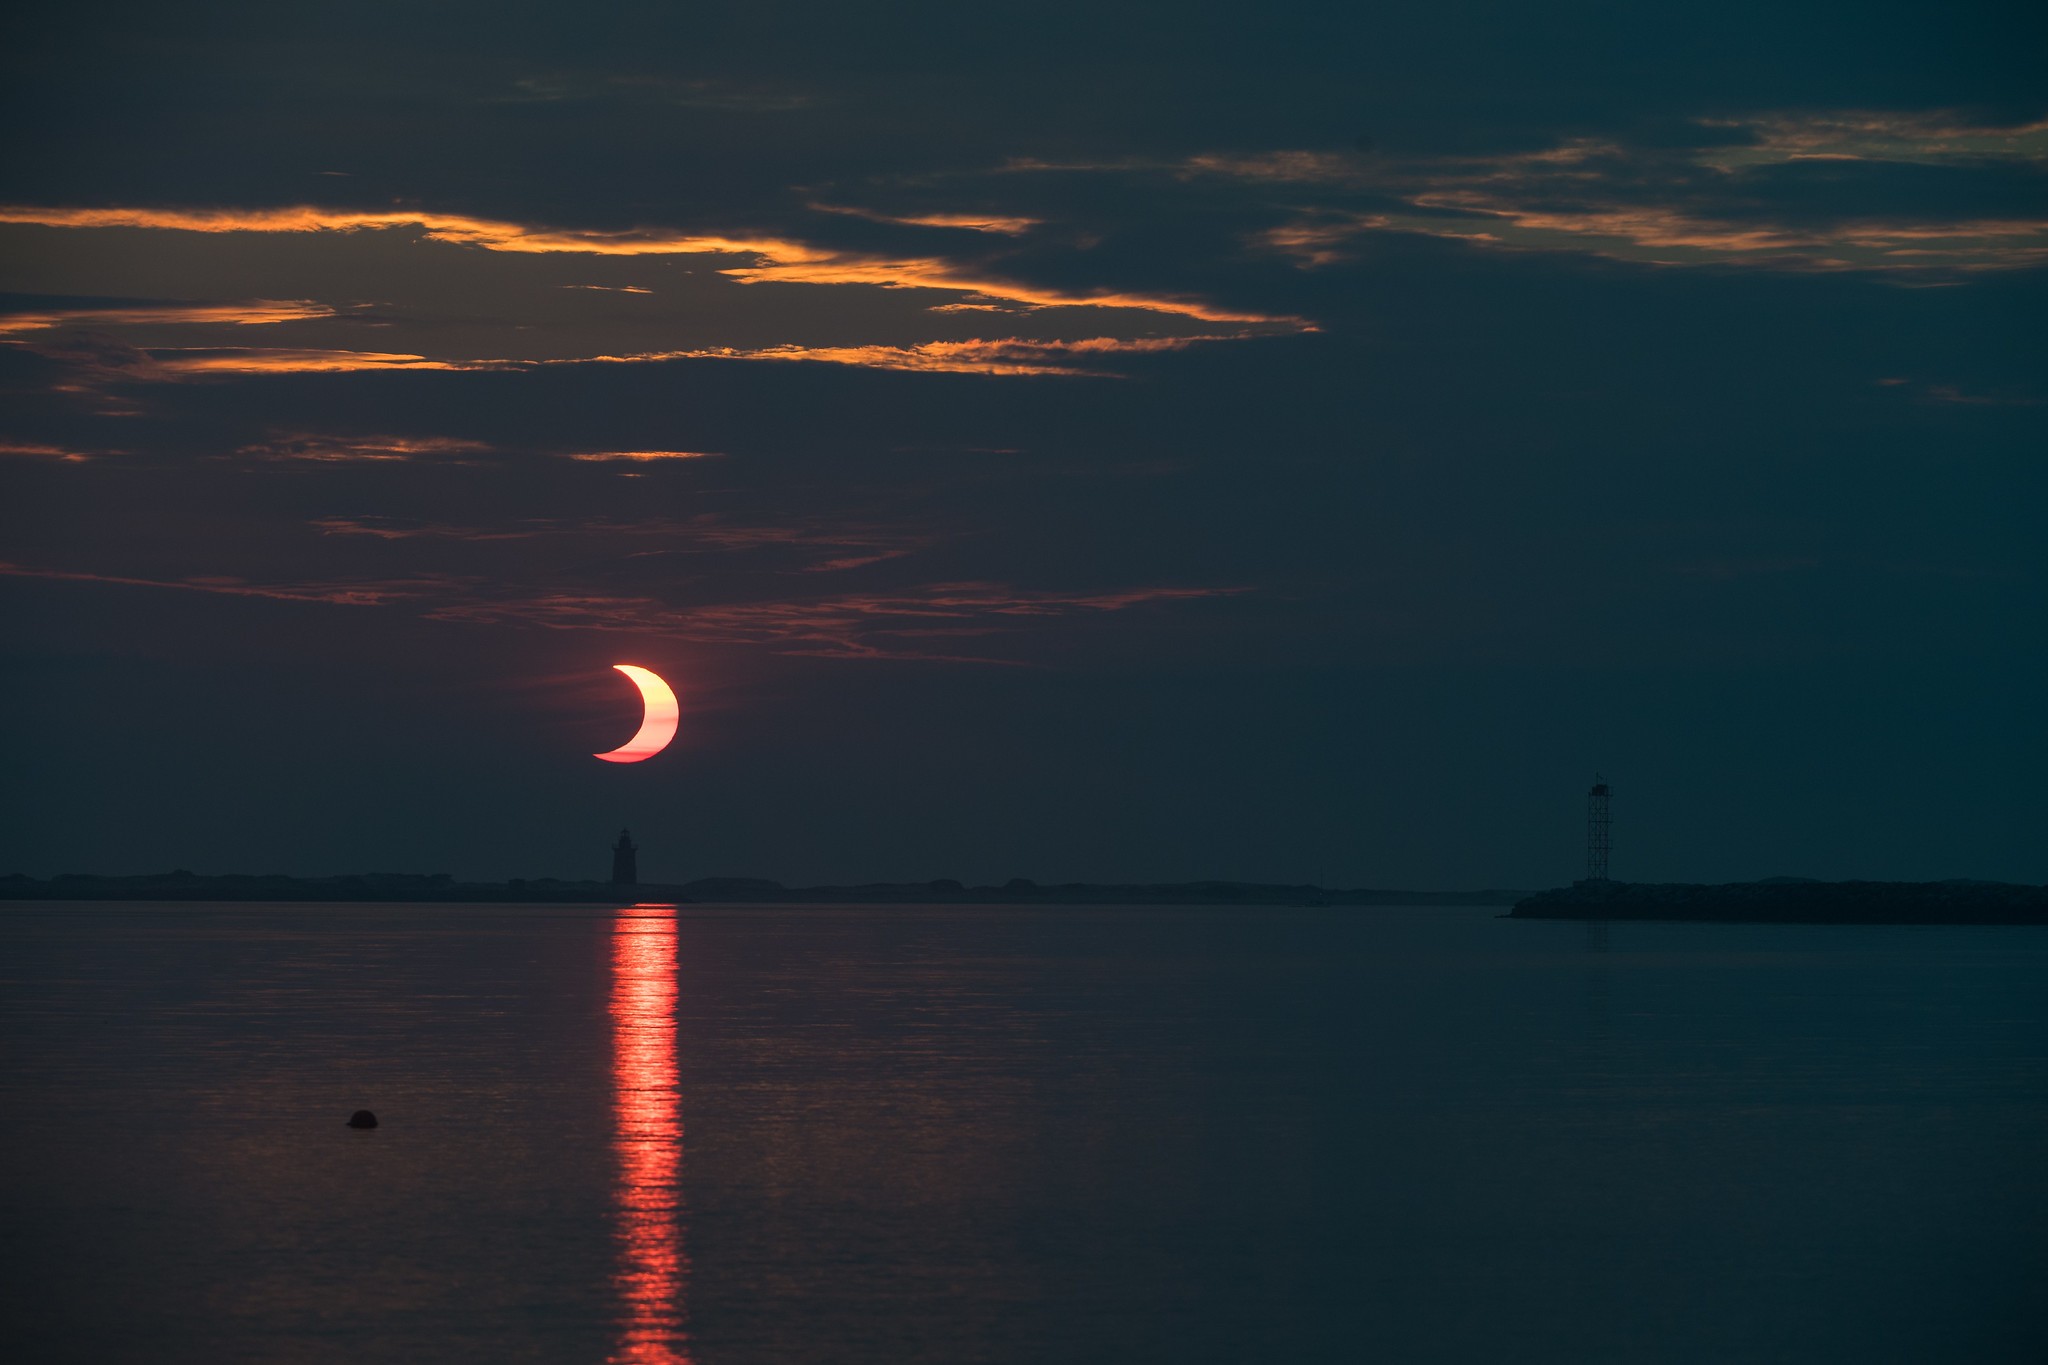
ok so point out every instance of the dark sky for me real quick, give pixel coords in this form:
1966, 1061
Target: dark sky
1089, 441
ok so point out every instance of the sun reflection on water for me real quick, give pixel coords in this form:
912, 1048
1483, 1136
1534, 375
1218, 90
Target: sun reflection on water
654, 1269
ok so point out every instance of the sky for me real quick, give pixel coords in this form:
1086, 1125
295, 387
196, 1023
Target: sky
1107, 442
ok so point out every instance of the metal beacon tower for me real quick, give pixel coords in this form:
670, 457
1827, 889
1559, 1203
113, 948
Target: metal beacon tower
1596, 831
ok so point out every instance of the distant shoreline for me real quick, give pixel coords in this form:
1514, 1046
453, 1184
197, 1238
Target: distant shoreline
373, 888
1777, 901
1791, 900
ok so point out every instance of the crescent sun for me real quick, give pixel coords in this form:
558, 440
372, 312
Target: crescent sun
658, 723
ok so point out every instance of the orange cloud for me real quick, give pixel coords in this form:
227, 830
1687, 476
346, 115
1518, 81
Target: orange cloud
1874, 135
646, 455
491, 234
933, 273
348, 449
256, 313
1292, 167
31, 450
1668, 236
1317, 241
1003, 355
296, 360
1008, 226
1648, 226
1689, 207
998, 356
782, 260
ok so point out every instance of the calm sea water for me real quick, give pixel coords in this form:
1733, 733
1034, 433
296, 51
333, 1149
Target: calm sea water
726, 1135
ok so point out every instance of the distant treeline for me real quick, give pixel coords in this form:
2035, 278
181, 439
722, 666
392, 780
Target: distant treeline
398, 886
1795, 900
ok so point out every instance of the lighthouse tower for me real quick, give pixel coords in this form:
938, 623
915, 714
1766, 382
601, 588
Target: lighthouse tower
625, 863
1596, 832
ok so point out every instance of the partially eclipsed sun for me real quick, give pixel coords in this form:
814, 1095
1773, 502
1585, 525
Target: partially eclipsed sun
657, 726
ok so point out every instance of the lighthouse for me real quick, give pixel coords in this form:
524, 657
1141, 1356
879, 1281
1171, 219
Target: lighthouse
1596, 831
625, 865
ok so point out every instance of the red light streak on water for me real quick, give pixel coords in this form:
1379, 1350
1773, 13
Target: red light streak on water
654, 1270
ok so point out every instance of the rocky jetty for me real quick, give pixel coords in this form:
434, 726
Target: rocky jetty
1795, 900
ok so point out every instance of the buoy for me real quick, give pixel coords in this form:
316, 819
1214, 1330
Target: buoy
362, 1118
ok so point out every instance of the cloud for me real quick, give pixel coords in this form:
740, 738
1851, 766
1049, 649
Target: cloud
390, 528
81, 340
778, 259
489, 234
258, 312
37, 451
1900, 193
997, 356
1938, 135
1074, 330
916, 623
1000, 356
1678, 236
173, 361
321, 449
850, 626
984, 356
936, 273
1008, 225
315, 447
844, 547
642, 456
351, 593
819, 546
88, 362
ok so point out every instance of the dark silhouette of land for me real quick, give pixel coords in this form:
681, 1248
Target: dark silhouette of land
383, 886
1795, 900
1783, 900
